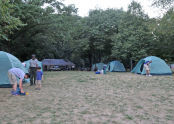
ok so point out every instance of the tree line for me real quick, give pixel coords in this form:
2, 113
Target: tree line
51, 29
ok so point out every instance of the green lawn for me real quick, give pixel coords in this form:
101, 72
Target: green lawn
86, 98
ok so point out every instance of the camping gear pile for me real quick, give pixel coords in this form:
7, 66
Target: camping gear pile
18, 92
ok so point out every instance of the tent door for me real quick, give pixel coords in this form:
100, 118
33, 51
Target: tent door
141, 68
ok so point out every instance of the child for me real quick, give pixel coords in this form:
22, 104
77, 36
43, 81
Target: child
147, 68
39, 78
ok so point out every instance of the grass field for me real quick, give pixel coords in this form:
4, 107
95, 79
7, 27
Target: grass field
86, 98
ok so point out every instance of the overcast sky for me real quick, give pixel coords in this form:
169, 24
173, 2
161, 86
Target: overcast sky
85, 5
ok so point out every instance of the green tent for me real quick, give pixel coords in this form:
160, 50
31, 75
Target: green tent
115, 66
8, 61
98, 65
157, 67
27, 64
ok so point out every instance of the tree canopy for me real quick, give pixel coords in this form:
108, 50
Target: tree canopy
50, 29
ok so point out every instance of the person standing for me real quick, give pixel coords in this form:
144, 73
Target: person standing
33, 69
39, 78
147, 67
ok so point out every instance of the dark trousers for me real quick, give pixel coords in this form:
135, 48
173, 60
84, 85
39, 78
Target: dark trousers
32, 75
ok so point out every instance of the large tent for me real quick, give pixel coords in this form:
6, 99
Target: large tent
157, 67
8, 61
47, 63
116, 66
99, 66
27, 64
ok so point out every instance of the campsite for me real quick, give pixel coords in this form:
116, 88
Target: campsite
86, 62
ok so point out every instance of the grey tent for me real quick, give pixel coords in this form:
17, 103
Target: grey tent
59, 62
47, 63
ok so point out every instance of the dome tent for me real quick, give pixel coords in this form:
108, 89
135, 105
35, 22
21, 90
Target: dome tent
98, 65
157, 67
8, 61
116, 66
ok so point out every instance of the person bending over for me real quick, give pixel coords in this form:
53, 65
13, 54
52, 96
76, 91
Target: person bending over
15, 73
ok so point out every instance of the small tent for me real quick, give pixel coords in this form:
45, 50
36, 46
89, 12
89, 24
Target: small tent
99, 66
27, 64
116, 66
8, 61
157, 67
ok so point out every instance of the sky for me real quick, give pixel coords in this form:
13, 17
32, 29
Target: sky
84, 6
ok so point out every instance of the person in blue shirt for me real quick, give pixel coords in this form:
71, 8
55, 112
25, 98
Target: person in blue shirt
39, 78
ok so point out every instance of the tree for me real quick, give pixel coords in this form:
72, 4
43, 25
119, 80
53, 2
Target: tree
8, 23
134, 39
136, 9
96, 35
163, 32
164, 3
48, 31
55, 31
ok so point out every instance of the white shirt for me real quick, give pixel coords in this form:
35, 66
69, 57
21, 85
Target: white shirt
33, 63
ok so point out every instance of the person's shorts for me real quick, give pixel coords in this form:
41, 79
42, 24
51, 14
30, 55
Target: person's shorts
12, 78
146, 67
39, 82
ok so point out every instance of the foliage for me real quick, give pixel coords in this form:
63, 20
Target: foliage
50, 29
163, 32
7, 22
164, 3
134, 38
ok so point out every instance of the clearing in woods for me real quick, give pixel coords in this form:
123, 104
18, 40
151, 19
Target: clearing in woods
86, 98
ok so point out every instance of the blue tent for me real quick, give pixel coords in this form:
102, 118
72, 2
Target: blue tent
157, 67
8, 61
115, 66
99, 66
